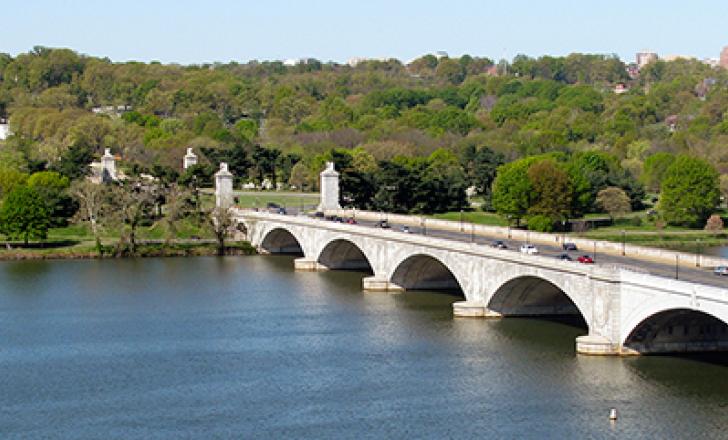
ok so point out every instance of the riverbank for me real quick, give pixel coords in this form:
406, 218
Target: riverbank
52, 251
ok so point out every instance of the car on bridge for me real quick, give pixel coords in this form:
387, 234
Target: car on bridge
564, 257
529, 249
384, 224
350, 221
569, 247
498, 244
585, 259
721, 270
406, 229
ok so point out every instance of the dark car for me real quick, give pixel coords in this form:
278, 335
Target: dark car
382, 224
569, 247
272, 205
585, 259
564, 257
318, 214
498, 244
338, 219
282, 211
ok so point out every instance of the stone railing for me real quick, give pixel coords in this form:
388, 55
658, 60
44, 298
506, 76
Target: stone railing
588, 245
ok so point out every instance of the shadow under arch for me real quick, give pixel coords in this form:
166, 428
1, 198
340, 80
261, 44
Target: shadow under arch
425, 272
281, 241
679, 331
342, 254
530, 296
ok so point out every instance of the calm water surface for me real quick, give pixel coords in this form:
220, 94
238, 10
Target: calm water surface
246, 348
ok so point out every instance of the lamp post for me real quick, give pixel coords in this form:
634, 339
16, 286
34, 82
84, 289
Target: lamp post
472, 232
424, 226
595, 251
677, 265
461, 221
623, 242
697, 256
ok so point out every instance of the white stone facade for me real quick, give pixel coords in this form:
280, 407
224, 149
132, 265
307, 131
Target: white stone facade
613, 302
224, 187
4, 131
329, 189
190, 159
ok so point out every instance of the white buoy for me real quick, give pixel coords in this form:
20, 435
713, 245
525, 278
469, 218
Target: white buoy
613, 414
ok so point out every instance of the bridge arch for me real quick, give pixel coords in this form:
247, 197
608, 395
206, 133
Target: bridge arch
281, 241
426, 272
344, 254
678, 329
531, 295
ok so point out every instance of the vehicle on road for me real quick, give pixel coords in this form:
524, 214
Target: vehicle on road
272, 205
406, 230
382, 224
569, 246
498, 244
529, 249
564, 257
585, 259
318, 214
282, 211
350, 221
721, 270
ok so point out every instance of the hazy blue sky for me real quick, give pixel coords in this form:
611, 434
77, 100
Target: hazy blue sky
216, 30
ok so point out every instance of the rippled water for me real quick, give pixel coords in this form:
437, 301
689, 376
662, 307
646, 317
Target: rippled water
246, 348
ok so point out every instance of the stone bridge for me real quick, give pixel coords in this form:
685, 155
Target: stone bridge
626, 312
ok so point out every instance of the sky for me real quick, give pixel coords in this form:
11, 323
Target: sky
195, 32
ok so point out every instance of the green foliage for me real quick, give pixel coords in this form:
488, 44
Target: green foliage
512, 189
654, 170
541, 223
24, 215
52, 188
690, 192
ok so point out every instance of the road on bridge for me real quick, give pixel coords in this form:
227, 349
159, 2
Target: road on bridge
700, 275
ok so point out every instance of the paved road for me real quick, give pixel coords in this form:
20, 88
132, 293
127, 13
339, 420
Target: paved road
698, 275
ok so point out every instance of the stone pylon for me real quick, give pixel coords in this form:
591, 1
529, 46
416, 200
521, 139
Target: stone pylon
329, 189
223, 187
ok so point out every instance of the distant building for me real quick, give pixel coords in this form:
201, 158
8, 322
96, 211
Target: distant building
645, 57
621, 88
677, 57
724, 58
104, 170
111, 110
441, 54
712, 62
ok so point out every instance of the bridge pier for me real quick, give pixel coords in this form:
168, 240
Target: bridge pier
378, 284
595, 345
471, 309
308, 265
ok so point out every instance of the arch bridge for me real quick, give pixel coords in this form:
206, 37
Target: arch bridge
625, 312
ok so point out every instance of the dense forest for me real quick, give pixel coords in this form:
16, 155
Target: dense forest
407, 137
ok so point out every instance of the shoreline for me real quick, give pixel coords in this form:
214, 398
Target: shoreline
242, 248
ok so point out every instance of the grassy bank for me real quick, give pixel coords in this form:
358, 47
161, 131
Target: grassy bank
76, 242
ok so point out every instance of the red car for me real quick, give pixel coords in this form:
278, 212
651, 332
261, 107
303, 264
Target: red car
586, 259
350, 221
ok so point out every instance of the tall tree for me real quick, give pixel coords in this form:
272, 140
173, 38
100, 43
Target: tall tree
24, 215
690, 192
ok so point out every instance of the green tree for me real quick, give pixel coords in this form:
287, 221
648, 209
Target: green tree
654, 170
512, 189
53, 189
690, 192
24, 215
614, 201
551, 195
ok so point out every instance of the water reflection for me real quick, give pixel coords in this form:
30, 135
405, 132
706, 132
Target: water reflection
246, 347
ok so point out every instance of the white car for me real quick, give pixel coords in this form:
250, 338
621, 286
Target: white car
529, 249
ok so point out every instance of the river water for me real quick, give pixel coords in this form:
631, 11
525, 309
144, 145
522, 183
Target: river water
244, 347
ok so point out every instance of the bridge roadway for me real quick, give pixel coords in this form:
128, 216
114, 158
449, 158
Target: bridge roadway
626, 311
702, 275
